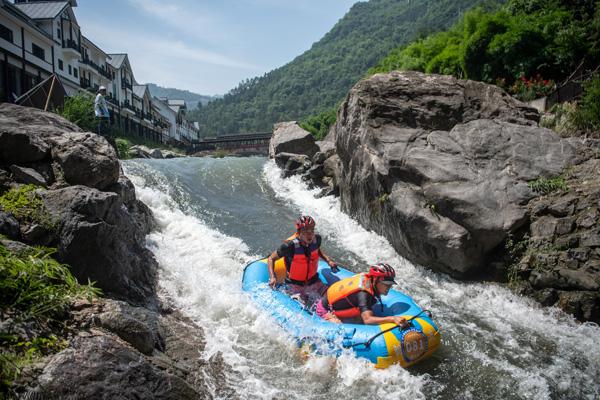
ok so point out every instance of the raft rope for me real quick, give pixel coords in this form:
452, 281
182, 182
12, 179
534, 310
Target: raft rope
368, 343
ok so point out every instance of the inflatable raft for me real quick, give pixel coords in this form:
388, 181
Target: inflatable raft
383, 345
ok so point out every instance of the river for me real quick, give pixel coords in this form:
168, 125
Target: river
216, 215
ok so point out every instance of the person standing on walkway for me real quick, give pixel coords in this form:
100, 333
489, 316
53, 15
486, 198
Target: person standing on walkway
101, 111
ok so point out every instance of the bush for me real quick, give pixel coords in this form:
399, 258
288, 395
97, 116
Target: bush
319, 125
529, 89
25, 203
590, 104
35, 290
79, 109
123, 146
545, 185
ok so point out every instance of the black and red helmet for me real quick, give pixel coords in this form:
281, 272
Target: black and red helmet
305, 221
384, 272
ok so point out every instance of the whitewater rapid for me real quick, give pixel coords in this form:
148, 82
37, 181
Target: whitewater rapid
215, 216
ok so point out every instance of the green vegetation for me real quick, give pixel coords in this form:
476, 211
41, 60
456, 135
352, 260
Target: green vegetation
319, 125
544, 185
319, 79
590, 105
26, 204
35, 290
524, 47
79, 109
515, 251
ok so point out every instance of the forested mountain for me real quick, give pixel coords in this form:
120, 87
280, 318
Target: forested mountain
191, 99
318, 79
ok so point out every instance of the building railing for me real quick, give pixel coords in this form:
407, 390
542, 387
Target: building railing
125, 84
71, 44
101, 69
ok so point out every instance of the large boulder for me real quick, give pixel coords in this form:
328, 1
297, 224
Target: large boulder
441, 166
289, 137
102, 366
32, 138
102, 238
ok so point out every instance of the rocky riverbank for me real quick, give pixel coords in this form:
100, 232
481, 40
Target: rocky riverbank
127, 343
453, 173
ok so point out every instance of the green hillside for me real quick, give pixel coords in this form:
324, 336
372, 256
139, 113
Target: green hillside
318, 79
191, 99
525, 46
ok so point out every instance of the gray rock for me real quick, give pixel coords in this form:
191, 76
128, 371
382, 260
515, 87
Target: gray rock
139, 152
103, 240
29, 135
543, 227
584, 305
86, 159
156, 153
9, 226
566, 206
130, 330
580, 253
289, 137
103, 367
448, 159
588, 218
565, 225
28, 176
590, 239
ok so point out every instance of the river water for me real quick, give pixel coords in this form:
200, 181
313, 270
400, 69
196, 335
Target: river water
216, 215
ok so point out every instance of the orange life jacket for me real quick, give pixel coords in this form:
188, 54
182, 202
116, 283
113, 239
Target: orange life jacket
342, 289
304, 264
294, 236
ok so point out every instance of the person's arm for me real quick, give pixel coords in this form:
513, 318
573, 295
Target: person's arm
329, 261
365, 303
370, 319
271, 265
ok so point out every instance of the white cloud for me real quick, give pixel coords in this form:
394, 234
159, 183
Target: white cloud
172, 62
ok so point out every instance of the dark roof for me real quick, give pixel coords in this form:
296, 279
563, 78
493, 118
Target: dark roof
42, 9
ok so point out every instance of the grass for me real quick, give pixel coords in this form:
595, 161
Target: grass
35, 291
26, 204
547, 185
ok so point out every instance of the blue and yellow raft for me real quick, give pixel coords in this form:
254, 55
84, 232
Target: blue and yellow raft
383, 345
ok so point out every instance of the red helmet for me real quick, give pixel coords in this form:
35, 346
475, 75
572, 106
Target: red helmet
384, 272
305, 221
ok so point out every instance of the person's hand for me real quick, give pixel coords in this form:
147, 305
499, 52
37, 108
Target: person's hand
401, 321
272, 282
333, 266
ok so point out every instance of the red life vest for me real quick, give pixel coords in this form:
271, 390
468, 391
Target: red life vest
304, 263
342, 289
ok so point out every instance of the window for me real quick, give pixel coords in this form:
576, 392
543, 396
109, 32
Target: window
75, 72
70, 70
6, 33
60, 64
58, 33
38, 51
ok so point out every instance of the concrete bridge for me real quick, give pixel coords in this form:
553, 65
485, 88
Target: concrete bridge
247, 143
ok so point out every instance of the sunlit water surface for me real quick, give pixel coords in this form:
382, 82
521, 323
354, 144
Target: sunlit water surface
216, 215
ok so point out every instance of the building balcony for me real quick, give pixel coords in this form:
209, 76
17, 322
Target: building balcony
71, 48
112, 100
125, 84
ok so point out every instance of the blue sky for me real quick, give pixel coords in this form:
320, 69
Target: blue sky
207, 47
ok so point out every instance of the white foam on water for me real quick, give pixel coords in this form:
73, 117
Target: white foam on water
200, 271
513, 333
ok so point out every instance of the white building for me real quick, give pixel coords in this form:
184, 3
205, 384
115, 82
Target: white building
39, 38
57, 19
